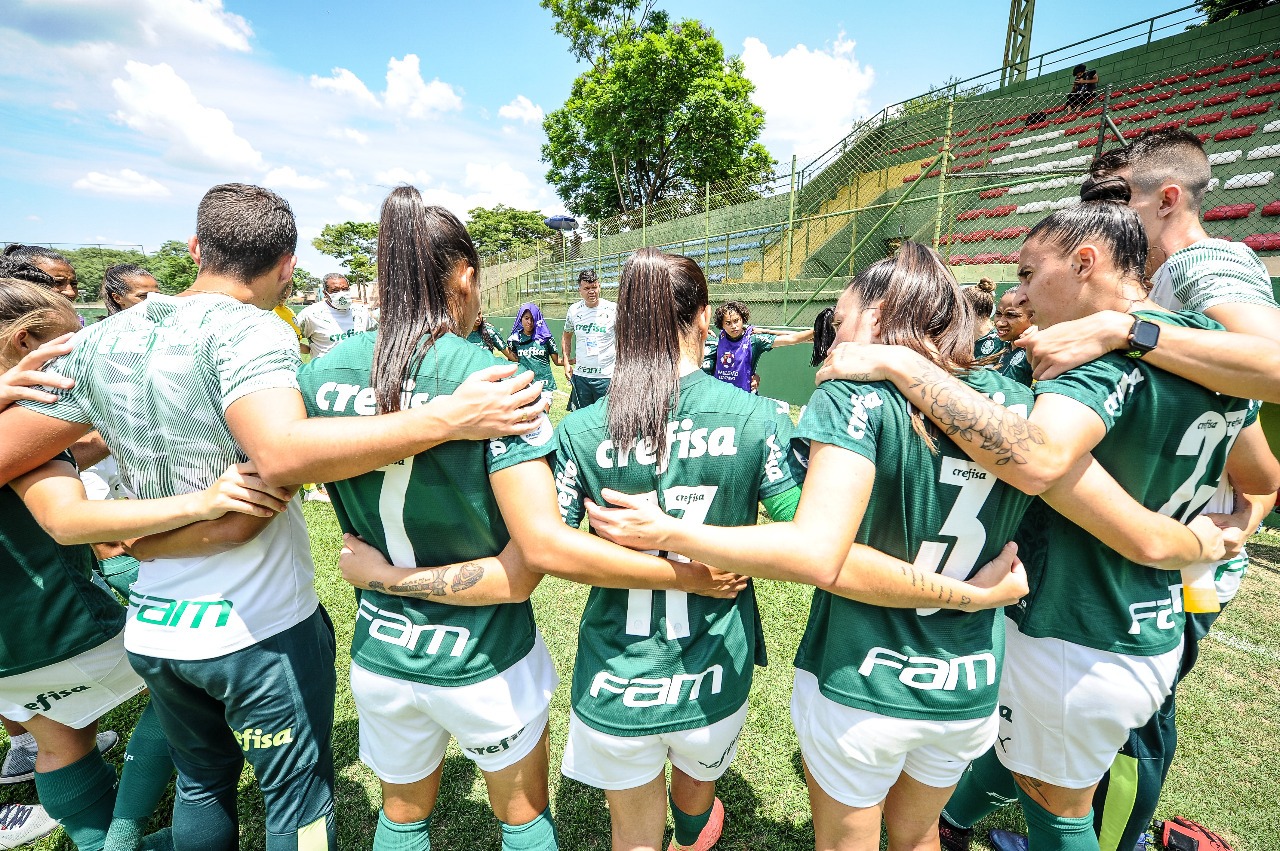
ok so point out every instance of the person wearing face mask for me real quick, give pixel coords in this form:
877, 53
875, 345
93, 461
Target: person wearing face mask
333, 318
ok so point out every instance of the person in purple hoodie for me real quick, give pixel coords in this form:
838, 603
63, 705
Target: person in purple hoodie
532, 345
733, 355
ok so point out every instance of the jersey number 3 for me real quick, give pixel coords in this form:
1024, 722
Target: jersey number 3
962, 523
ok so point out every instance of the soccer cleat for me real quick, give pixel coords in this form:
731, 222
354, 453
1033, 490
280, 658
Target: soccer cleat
20, 763
1007, 840
23, 823
1180, 834
710, 833
952, 836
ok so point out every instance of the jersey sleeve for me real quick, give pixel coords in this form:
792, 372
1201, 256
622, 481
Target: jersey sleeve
568, 476
844, 414
1102, 385
551, 346
503, 452
1251, 415
775, 475
69, 405
306, 323
1224, 277
260, 354
760, 343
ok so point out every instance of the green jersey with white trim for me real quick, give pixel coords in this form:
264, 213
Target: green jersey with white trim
652, 662
535, 355
940, 511
989, 344
431, 509
1014, 364
1166, 443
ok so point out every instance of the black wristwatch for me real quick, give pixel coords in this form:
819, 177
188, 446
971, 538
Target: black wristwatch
1143, 337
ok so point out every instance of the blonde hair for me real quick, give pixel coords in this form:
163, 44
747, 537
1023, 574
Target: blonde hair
37, 310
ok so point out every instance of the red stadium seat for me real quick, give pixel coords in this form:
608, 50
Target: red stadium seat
1141, 87
1252, 60
1173, 81
1167, 125
983, 128
980, 259
969, 215
1235, 133
1207, 118
1229, 211
1203, 137
1263, 241
1128, 104
1090, 113
1234, 79
1039, 125
1080, 128
957, 259
1002, 210
933, 173
1181, 107
1195, 89
1206, 72
910, 177
1260, 91
1267, 72
1272, 209
992, 193
1158, 96
1225, 97
1011, 257
999, 147
1134, 133
1252, 109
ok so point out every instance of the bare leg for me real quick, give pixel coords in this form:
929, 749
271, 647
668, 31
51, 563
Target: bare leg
911, 814
639, 815
518, 793
691, 796
59, 744
837, 827
1062, 802
13, 728
406, 803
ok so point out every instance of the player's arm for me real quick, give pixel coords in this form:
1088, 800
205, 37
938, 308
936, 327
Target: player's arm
201, 539
1244, 365
56, 498
89, 450
526, 495
787, 338
1252, 471
1089, 497
816, 546
566, 343
31, 439
1029, 453
289, 449
480, 582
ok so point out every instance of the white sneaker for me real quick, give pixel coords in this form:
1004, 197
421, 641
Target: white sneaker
23, 823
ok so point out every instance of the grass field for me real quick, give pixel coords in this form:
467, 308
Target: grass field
1226, 774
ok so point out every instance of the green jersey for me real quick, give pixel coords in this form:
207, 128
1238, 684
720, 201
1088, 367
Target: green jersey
1166, 443
62, 613
486, 337
431, 509
1014, 364
940, 511
535, 356
989, 344
653, 662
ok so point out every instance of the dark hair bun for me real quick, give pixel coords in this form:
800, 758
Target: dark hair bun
986, 285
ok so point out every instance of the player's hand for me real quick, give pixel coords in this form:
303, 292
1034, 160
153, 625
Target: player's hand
755, 383
635, 523
487, 405
568, 370
707, 581
1002, 581
360, 562
856, 362
1213, 545
22, 382
240, 490
1058, 348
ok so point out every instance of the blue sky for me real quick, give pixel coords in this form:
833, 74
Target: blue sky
119, 114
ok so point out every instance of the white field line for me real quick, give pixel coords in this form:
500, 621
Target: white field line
1237, 643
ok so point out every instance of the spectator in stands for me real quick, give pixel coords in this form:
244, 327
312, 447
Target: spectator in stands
334, 318
740, 346
41, 266
589, 367
124, 285
1084, 83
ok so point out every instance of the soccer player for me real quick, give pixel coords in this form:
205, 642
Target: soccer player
485, 336
1012, 319
591, 322
66, 647
982, 301
43, 266
234, 646
665, 676
1095, 648
124, 285
739, 346
533, 345
445, 643
335, 317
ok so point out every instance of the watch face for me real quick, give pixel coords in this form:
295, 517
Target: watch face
1145, 335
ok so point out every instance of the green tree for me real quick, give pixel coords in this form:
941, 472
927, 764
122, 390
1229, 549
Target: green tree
172, 266
593, 26
1220, 10
503, 228
90, 264
354, 245
304, 282
661, 112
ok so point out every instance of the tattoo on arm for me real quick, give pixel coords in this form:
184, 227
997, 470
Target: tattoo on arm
468, 574
438, 582
951, 404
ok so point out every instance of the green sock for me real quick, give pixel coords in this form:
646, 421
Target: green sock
393, 836
148, 768
688, 827
81, 796
537, 835
1047, 832
985, 787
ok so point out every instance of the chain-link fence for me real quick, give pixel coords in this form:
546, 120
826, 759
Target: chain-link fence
968, 173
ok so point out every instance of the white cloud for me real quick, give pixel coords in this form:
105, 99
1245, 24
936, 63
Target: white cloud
355, 136
198, 20
397, 175
409, 95
66, 105
126, 182
810, 98
343, 174
156, 102
523, 110
286, 177
158, 22
362, 210
345, 83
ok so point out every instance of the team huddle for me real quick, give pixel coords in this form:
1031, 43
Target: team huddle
1000, 538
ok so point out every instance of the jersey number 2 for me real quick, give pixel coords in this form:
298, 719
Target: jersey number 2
695, 503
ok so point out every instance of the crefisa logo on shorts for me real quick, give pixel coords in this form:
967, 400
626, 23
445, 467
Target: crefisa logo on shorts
43, 701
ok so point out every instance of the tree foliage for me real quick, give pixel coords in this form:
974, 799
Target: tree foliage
173, 267
1220, 10
503, 228
304, 282
354, 245
662, 111
91, 262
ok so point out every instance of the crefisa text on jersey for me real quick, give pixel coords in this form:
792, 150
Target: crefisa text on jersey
683, 441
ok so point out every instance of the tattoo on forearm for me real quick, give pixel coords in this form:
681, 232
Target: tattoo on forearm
437, 582
950, 404
944, 594
468, 574
375, 585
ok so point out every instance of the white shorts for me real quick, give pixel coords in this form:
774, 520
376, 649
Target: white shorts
76, 691
613, 762
856, 755
1066, 709
405, 726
